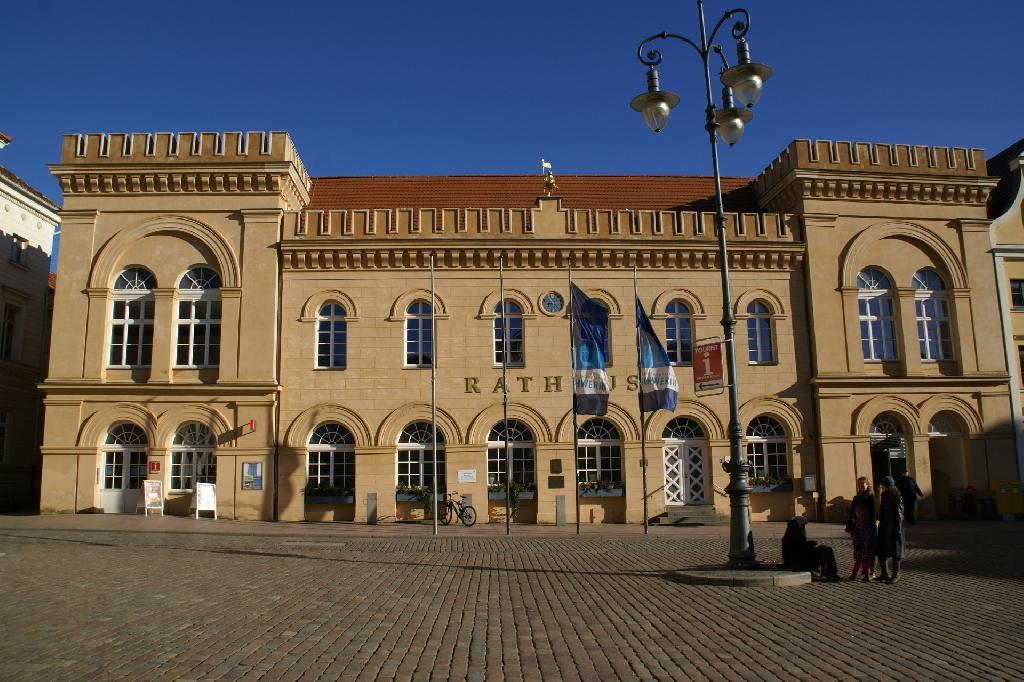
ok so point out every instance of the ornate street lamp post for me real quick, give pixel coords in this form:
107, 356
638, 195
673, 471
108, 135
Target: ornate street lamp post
744, 80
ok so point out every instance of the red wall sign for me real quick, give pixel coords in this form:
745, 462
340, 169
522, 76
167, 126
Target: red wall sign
154, 466
707, 367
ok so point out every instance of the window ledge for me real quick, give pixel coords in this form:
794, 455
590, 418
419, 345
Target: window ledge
412, 497
330, 499
777, 488
614, 492
498, 495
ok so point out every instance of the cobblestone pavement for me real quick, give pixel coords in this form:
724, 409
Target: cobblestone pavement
131, 597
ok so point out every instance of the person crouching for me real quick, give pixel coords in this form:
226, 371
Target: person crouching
801, 554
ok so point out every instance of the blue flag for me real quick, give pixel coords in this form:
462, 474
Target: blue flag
658, 386
589, 340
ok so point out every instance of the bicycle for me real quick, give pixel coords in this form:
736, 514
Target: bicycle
452, 508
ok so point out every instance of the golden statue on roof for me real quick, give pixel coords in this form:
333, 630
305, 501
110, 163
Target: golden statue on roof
549, 177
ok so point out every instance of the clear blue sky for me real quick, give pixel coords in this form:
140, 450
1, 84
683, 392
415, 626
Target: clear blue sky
457, 87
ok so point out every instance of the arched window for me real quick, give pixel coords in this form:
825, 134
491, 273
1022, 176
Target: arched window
759, 333
331, 458
683, 428
124, 458
877, 322
767, 450
887, 434
678, 333
599, 455
944, 424
418, 335
331, 334
416, 456
514, 330
193, 458
520, 449
932, 316
131, 321
198, 319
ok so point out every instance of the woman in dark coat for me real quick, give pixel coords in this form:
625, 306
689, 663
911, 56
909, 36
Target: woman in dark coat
890, 530
801, 554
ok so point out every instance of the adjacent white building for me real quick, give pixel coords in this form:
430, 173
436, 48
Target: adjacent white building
27, 223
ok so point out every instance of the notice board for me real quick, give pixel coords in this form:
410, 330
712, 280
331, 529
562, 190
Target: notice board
206, 498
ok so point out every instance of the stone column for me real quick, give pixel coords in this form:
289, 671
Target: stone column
96, 342
291, 479
851, 322
375, 473
961, 320
908, 342
258, 347
230, 304
164, 336
919, 464
71, 316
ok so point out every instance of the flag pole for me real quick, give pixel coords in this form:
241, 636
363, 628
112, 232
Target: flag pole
575, 431
640, 400
433, 389
504, 394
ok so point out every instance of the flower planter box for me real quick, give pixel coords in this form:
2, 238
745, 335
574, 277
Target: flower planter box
491, 495
330, 499
777, 488
410, 497
614, 492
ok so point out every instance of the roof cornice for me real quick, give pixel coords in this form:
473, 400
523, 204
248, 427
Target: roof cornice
298, 256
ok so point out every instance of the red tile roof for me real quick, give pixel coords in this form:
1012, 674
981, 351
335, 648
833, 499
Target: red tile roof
651, 192
29, 188
53, 281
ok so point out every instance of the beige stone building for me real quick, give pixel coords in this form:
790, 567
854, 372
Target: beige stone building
229, 319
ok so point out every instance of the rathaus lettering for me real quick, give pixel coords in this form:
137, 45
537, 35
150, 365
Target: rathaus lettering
551, 384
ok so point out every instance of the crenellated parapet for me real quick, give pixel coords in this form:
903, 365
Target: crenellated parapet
825, 169
183, 163
548, 221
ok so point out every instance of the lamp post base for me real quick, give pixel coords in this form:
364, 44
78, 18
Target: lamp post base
741, 537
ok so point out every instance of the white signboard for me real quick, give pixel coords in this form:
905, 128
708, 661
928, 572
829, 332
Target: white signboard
206, 498
153, 495
467, 475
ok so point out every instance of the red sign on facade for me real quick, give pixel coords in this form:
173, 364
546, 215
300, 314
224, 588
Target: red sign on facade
707, 367
154, 466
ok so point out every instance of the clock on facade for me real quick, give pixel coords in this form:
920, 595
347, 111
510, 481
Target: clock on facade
552, 302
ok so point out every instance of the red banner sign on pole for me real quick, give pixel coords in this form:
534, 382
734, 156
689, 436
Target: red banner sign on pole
707, 367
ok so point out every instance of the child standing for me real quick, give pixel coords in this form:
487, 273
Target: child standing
864, 539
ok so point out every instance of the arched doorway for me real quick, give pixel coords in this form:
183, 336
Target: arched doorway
888, 447
948, 463
685, 453
124, 468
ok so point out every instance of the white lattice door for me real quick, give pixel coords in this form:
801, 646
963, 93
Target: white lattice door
685, 473
675, 482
